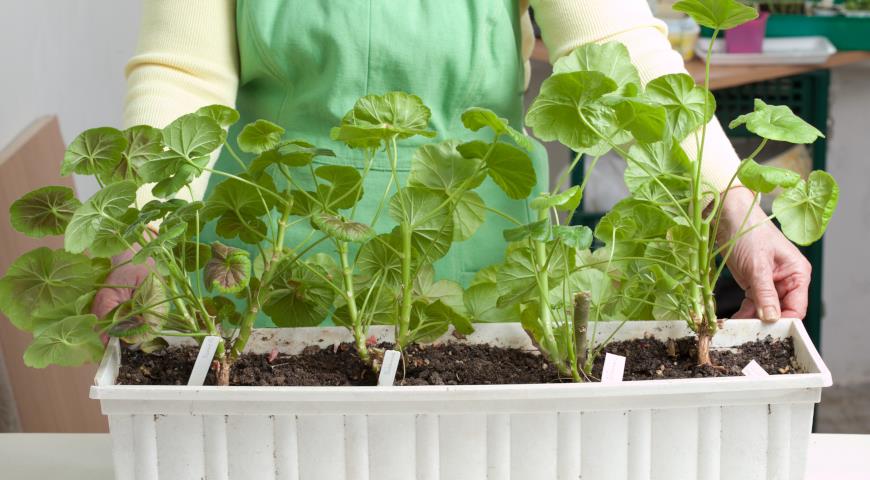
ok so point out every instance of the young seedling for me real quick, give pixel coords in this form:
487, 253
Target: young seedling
661, 251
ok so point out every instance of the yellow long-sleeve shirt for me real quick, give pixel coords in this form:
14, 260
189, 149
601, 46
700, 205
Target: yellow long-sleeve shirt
187, 58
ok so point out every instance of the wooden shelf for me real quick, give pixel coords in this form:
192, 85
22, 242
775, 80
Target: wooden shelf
732, 76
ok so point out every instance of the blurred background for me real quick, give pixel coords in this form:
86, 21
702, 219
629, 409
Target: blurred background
63, 72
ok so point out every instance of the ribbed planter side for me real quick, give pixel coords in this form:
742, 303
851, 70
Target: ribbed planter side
732, 428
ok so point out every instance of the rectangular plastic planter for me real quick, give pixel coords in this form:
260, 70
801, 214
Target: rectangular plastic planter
738, 428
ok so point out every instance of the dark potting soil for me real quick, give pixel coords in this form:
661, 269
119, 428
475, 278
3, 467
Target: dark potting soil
454, 364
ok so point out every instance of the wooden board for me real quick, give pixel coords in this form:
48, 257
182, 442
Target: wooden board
53, 399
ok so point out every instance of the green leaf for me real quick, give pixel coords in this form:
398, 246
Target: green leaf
339, 228
144, 144
440, 166
578, 237
94, 151
140, 319
67, 343
516, 278
430, 322
568, 105
221, 114
191, 137
259, 136
764, 178
508, 166
610, 59
300, 298
655, 160
632, 219
481, 302
45, 280
805, 210
566, 201
381, 308
102, 213
45, 211
683, 102
596, 282
238, 207
645, 120
717, 14
476, 118
777, 122
187, 252
432, 227
292, 153
469, 213
377, 118
344, 189
380, 257
228, 270
427, 290
538, 231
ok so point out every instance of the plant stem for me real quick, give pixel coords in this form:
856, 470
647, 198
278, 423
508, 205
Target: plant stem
548, 336
581, 326
403, 336
350, 297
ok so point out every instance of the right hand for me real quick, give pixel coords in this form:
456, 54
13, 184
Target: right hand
129, 275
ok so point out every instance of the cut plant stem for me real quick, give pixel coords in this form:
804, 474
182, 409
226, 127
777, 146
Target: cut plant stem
581, 326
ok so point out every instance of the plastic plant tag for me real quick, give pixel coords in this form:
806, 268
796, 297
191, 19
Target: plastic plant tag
388, 368
753, 369
614, 366
203, 361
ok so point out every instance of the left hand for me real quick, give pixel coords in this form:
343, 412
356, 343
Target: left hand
772, 272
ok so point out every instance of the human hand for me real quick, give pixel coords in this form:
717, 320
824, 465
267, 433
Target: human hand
124, 280
772, 272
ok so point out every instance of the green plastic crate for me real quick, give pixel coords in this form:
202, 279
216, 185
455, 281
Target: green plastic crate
846, 33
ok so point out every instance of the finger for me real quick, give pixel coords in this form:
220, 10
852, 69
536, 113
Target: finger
795, 299
747, 309
762, 291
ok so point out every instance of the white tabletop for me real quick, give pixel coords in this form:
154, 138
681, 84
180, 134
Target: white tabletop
38, 456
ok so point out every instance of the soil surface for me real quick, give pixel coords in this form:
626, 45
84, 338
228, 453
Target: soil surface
454, 364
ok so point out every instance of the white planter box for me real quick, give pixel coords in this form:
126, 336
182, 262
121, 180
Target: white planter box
736, 428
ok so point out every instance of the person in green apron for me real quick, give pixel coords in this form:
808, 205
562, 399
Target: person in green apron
303, 63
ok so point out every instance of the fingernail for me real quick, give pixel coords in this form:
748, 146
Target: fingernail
769, 314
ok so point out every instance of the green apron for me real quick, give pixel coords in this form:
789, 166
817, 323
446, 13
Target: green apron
303, 64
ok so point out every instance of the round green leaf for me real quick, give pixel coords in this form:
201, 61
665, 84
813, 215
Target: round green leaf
44, 280
292, 153
440, 166
717, 14
683, 102
508, 166
223, 115
193, 136
481, 302
651, 161
476, 118
431, 224
45, 211
228, 270
805, 210
344, 188
67, 343
610, 59
259, 136
380, 258
556, 113
575, 236
376, 118
565, 201
94, 151
337, 227
300, 297
764, 178
469, 213
645, 120
102, 213
538, 231
777, 122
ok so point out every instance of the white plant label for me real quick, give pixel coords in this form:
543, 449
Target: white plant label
203, 361
614, 367
389, 367
753, 369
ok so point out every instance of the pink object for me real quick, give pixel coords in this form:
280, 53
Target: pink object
747, 38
